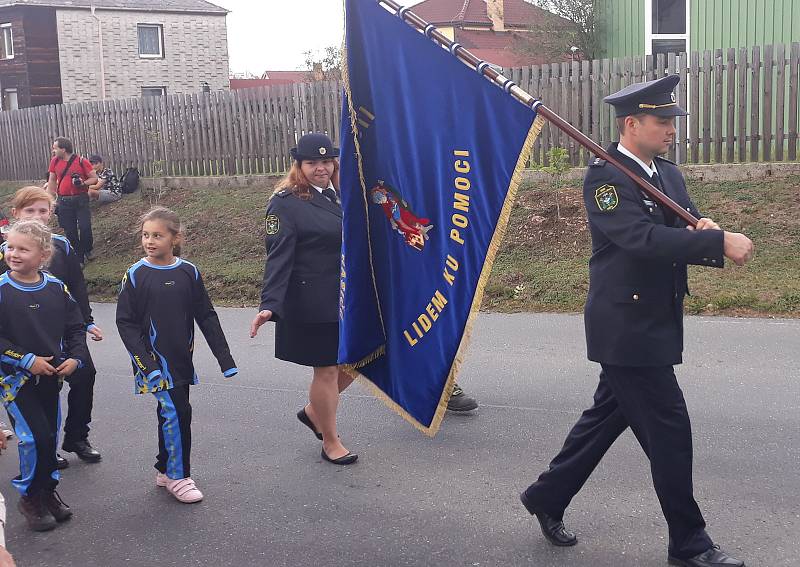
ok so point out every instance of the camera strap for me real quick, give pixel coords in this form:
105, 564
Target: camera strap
64, 173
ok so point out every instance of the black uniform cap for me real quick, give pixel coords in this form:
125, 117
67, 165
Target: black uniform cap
314, 146
651, 97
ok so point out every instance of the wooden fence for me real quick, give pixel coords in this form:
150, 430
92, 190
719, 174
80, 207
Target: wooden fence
743, 105
247, 131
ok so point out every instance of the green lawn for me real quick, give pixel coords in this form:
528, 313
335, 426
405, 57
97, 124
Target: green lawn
542, 265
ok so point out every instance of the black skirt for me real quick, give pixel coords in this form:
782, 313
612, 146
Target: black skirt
309, 344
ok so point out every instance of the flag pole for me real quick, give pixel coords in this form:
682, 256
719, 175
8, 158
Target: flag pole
483, 67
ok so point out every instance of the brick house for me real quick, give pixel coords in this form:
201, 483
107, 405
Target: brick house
61, 51
497, 31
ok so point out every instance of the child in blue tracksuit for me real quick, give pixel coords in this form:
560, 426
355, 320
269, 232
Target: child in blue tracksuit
42, 341
160, 299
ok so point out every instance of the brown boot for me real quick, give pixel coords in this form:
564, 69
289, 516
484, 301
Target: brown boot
57, 507
36, 514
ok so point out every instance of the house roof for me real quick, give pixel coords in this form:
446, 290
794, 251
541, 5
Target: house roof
516, 13
194, 6
271, 79
288, 76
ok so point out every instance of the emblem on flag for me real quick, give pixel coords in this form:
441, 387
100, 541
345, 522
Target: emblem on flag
412, 228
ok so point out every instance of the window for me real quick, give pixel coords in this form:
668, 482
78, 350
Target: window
151, 41
6, 42
10, 101
669, 17
666, 27
154, 91
669, 46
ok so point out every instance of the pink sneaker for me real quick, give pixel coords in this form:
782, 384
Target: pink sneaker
161, 479
184, 490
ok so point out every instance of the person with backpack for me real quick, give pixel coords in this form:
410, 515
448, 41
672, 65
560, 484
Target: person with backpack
108, 188
69, 179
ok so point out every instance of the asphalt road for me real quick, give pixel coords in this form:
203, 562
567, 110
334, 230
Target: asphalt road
452, 500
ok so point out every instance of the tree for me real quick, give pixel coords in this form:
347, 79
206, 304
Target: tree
324, 67
579, 28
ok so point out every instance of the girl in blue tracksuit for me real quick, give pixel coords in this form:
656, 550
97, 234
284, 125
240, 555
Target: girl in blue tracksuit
160, 299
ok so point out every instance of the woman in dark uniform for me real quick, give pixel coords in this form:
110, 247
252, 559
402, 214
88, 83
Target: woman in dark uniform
301, 282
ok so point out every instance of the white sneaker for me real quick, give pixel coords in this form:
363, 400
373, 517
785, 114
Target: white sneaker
184, 490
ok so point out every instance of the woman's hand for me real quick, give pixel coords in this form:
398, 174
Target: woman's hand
260, 319
41, 366
67, 367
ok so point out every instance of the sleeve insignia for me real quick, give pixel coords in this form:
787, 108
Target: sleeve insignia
606, 198
272, 224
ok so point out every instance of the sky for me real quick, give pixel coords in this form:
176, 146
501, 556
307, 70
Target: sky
271, 35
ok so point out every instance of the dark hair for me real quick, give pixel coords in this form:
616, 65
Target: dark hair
65, 144
621, 120
95, 158
170, 220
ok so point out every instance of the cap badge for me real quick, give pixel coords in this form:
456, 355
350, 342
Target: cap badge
323, 151
672, 96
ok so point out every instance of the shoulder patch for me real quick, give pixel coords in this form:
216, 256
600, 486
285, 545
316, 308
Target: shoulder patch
597, 162
272, 224
283, 193
606, 198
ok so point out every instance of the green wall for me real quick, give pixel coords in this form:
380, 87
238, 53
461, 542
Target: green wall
719, 24
714, 24
622, 22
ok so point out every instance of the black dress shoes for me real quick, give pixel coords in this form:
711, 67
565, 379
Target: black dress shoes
347, 459
552, 529
61, 462
712, 557
305, 420
83, 449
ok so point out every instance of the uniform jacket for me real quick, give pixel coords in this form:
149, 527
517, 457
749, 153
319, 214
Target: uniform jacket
37, 320
156, 312
304, 248
637, 272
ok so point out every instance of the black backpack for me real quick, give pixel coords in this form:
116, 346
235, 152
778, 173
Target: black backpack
130, 181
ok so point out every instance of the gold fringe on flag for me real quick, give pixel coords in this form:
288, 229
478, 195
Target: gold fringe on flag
486, 271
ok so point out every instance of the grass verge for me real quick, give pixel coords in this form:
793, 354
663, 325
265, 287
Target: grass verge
542, 265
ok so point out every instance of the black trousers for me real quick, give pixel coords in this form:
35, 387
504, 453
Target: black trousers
75, 217
36, 418
174, 432
650, 402
79, 404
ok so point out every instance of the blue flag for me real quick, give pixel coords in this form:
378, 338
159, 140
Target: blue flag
431, 158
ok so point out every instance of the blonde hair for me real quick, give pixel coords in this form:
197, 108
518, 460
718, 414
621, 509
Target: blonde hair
29, 195
298, 183
170, 220
37, 232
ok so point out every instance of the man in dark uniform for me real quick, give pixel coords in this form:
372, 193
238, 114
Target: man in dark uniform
634, 325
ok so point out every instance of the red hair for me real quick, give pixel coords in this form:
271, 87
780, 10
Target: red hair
298, 183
